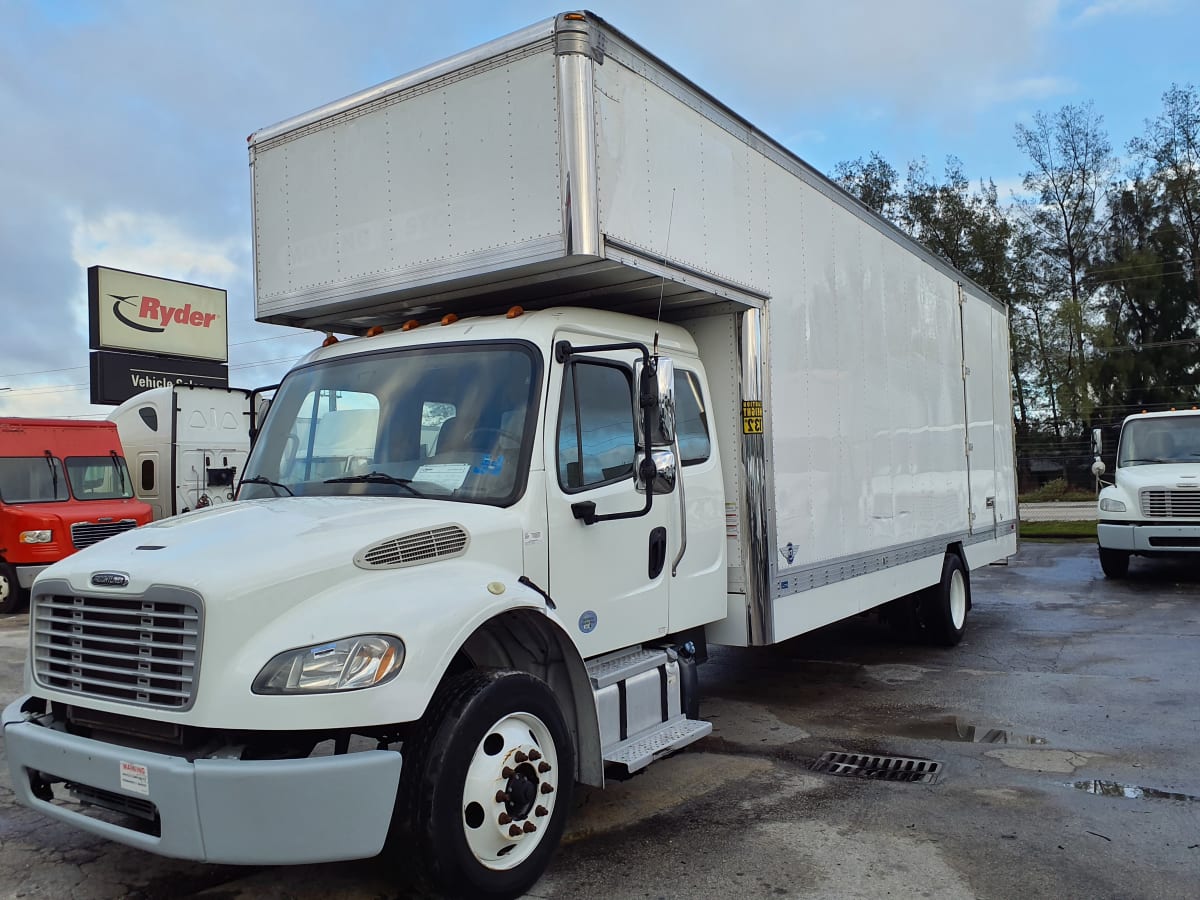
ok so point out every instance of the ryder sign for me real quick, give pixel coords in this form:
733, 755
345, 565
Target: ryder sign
156, 315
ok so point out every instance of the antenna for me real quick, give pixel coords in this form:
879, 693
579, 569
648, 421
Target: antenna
663, 284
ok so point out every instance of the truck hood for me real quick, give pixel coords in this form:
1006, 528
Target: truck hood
235, 551
1164, 476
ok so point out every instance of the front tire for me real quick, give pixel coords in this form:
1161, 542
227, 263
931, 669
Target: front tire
487, 782
10, 589
1114, 563
942, 608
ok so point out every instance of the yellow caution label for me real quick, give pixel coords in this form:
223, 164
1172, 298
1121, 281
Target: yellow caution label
752, 417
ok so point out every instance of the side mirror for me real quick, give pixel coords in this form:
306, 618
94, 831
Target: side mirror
662, 472
1097, 441
657, 388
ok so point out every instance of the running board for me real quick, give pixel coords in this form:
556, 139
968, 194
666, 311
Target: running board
640, 706
638, 752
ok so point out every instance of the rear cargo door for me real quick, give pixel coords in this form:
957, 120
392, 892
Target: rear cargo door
978, 397
610, 579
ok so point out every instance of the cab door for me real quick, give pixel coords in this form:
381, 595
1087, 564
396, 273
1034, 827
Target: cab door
610, 579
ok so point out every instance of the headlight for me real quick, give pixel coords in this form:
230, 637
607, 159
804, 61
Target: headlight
344, 665
1109, 505
37, 537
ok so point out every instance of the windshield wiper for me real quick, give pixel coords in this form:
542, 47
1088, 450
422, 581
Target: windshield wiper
1143, 459
53, 472
263, 479
376, 478
117, 465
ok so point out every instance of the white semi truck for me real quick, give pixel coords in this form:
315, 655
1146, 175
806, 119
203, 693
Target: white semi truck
186, 444
1152, 506
629, 379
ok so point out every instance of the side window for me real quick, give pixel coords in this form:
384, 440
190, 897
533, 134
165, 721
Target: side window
595, 428
147, 476
691, 419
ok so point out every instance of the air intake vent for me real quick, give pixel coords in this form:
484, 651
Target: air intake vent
415, 548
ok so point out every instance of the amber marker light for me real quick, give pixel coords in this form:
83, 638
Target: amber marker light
329, 341
514, 312
575, 17
374, 330
410, 325
449, 319
385, 664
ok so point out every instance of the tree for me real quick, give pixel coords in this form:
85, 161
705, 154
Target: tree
1171, 150
873, 181
1070, 166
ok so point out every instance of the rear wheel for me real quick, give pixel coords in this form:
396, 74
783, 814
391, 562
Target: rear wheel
487, 782
1115, 563
10, 589
942, 608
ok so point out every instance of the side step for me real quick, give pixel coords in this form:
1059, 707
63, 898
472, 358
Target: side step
638, 752
639, 702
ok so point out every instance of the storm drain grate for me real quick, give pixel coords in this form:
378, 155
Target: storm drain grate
881, 768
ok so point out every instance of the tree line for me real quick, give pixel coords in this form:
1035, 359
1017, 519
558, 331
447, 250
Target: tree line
1098, 259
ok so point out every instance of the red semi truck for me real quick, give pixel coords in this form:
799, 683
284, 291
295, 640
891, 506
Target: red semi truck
64, 485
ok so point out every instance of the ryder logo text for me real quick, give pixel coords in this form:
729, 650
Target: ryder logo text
154, 316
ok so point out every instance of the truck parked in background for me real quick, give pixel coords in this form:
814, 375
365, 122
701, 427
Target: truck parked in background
187, 445
1152, 506
629, 379
64, 486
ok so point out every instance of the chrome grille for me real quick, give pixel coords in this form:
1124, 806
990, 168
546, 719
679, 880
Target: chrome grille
129, 650
1162, 504
411, 549
84, 534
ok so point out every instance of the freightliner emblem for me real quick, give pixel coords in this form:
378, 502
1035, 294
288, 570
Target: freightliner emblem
110, 579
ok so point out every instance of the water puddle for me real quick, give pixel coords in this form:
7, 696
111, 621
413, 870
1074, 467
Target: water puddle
1128, 791
958, 729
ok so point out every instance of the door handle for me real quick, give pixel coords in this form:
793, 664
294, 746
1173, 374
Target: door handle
658, 552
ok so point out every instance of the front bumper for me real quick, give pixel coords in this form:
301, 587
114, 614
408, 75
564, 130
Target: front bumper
254, 812
1141, 538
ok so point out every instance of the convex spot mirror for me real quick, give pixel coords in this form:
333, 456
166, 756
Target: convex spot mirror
662, 472
656, 384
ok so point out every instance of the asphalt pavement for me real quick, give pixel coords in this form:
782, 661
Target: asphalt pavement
1065, 725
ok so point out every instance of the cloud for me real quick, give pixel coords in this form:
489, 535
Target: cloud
1107, 8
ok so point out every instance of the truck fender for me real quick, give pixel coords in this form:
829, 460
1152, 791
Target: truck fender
534, 640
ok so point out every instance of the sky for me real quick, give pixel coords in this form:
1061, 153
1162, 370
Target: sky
123, 123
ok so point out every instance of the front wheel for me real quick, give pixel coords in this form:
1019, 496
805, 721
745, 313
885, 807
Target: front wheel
10, 589
487, 782
942, 608
1114, 563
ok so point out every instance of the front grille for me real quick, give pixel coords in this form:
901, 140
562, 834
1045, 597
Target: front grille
129, 650
1160, 504
411, 549
84, 534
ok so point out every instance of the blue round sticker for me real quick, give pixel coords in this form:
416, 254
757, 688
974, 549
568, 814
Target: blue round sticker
587, 621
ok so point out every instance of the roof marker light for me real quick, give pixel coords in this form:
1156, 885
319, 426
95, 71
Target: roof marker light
374, 330
329, 341
514, 312
449, 319
410, 325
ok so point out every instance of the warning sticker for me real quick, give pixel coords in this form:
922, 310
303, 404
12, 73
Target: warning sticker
135, 778
752, 417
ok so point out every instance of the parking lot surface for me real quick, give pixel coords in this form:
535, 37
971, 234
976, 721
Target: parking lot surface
1066, 726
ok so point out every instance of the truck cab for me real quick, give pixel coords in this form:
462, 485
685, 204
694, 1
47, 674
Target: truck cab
1152, 506
64, 486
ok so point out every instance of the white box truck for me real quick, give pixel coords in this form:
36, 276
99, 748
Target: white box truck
187, 445
1152, 506
630, 379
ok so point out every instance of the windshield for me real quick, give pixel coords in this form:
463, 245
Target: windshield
1160, 440
452, 422
32, 479
99, 477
